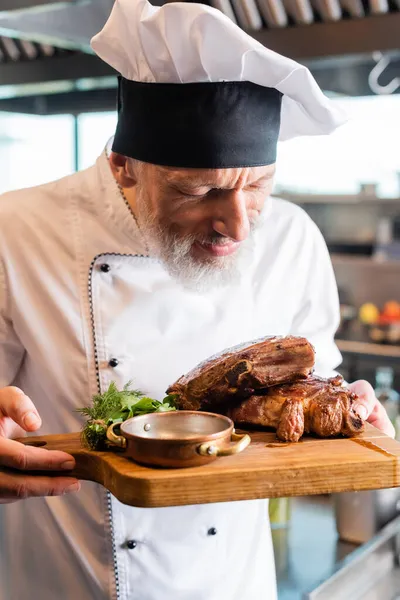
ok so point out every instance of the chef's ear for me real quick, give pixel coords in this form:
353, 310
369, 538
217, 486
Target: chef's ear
123, 170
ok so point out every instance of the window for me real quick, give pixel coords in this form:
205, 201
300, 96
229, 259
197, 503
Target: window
94, 131
364, 150
34, 149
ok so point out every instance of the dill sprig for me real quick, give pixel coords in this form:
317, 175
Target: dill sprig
116, 406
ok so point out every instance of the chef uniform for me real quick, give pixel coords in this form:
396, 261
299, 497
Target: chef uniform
82, 304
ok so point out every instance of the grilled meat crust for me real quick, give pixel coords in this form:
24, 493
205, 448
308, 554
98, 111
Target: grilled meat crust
241, 371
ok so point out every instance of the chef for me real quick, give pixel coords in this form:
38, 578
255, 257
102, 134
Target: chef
168, 250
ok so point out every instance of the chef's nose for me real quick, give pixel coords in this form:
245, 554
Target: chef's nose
232, 220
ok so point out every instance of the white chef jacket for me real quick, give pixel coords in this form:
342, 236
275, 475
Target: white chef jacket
63, 316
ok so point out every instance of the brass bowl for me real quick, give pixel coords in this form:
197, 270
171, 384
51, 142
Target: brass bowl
177, 439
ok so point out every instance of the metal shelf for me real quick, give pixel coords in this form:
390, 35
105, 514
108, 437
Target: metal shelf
368, 349
363, 261
336, 199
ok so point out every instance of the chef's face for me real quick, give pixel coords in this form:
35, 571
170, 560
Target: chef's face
199, 222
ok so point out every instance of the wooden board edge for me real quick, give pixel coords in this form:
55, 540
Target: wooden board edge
214, 489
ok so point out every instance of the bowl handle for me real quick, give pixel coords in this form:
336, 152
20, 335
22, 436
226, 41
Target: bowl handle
116, 440
212, 449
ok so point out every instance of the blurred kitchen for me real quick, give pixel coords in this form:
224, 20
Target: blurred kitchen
57, 111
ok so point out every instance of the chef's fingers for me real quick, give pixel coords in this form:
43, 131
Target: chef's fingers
379, 419
368, 407
14, 486
28, 458
366, 402
18, 407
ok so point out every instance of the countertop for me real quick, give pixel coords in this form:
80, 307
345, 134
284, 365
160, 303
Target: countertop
307, 552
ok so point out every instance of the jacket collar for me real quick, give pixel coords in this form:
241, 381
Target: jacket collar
111, 207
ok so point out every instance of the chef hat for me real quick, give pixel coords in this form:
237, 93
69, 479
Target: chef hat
197, 91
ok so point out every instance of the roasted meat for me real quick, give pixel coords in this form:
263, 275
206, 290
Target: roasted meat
241, 371
312, 405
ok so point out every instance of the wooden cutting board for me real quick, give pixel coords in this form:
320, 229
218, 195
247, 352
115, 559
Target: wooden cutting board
266, 469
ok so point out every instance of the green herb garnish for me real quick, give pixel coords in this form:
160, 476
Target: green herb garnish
116, 406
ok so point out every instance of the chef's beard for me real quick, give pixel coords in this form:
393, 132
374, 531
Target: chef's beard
195, 273
200, 274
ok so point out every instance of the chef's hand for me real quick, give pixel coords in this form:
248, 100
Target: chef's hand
17, 416
370, 409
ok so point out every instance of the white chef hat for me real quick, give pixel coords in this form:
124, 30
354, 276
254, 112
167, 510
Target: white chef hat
197, 91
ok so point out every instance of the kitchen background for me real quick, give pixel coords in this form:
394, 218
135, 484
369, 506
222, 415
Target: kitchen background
57, 110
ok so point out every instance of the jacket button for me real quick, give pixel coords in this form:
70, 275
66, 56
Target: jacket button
131, 544
212, 531
113, 362
105, 268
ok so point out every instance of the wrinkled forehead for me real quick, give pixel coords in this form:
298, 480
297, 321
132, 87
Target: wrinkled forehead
215, 178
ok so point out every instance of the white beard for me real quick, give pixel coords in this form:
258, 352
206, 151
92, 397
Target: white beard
204, 275
195, 274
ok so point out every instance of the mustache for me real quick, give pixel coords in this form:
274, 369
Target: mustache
215, 239
218, 239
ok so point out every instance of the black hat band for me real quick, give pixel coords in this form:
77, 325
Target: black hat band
198, 125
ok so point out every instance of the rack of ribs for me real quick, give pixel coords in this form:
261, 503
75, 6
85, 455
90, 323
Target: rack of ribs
270, 383
241, 371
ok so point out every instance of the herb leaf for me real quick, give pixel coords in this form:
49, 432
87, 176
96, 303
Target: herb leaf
116, 406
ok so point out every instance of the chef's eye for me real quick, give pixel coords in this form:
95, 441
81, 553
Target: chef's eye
257, 187
198, 193
193, 195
